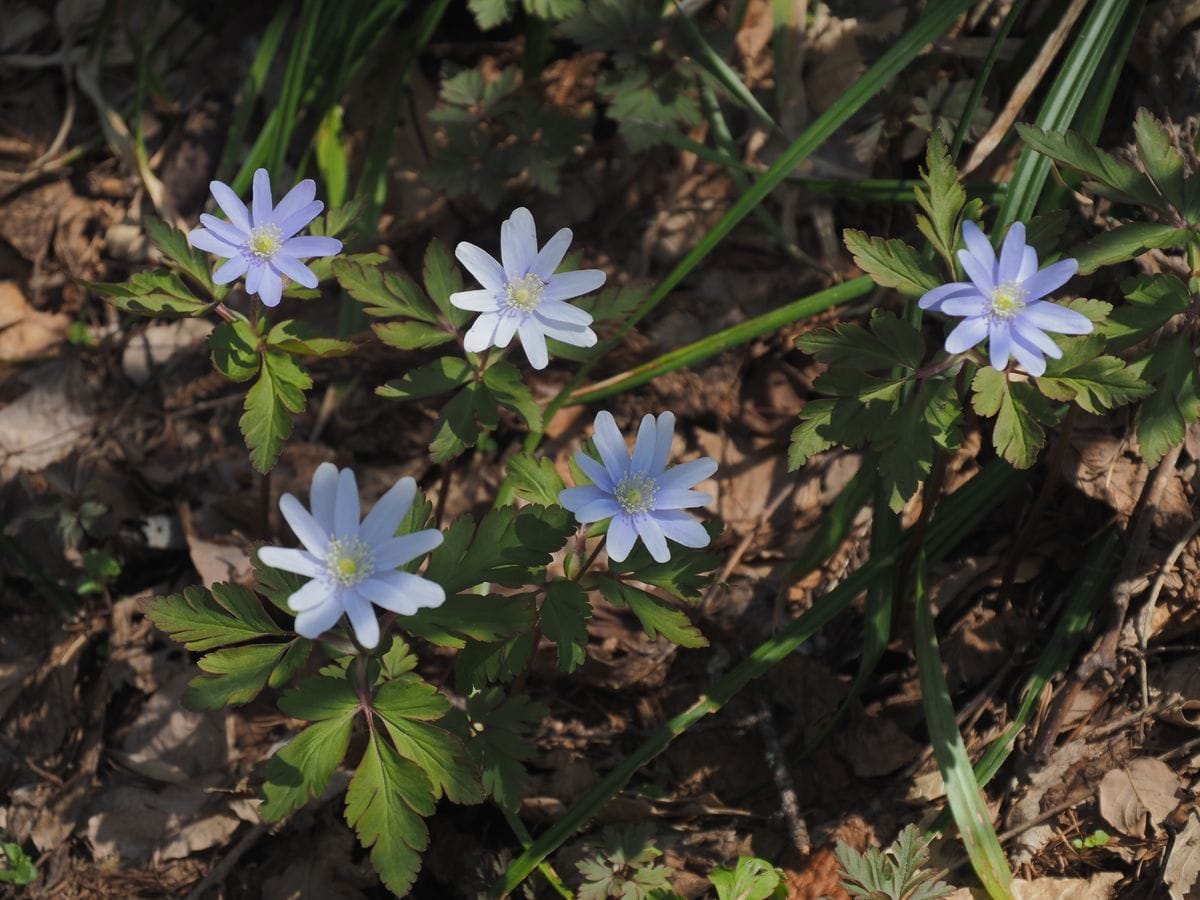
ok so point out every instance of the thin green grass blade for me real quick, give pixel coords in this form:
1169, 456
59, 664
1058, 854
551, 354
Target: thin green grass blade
251, 90
294, 82
966, 802
710, 346
937, 19
958, 515
1060, 106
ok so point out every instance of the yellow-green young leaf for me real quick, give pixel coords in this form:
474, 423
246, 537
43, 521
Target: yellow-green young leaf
299, 771
173, 244
153, 294
1150, 302
438, 377
753, 879
1163, 417
1094, 381
382, 293
442, 278
564, 617
498, 739
942, 198
811, 436
656, 615
270, 403
1096, 311
535, 479
1020, 411
235, 350
411, 335
200, 619
407, 705
1126, 242
236, 675
301, 339
385, 804
892, 264
1164, 164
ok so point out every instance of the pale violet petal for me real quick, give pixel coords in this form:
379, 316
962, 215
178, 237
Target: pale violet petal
304, 526
974, 305
231, 270
289, 559
652, 536
402, 592
979, 247
296, 199
566, 285
643, 445
598, 510
228, 233
209, 242
576, 498
975, 270
299, 219
270, 287
550, 257
533, 341
323, 493
1012, 252
686, 475
505, 329
294, 269
311, 245
611, 445
482, 265
621, 535
346, 509
564, 312
575, 335
1031, 334
385, 516
400, 551
675, 498
518, 243
999, 345
933, 299
481, 334
234, 209
1027, 355
309, 596
681, 527
1052, 317
254, 276
967, 334
362, 618
1050, 279
664, 433
312, 623
1029, 264
261, 206
595, 471
476, 301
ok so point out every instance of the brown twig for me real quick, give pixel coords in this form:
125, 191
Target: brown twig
777, 762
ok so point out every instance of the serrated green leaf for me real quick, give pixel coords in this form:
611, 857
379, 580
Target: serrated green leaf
891, 342
302, 339
19, 868
1044, 232
564, 617
1163, 417
483, 663
275, 585
383, 294
643, 104
320, 697
1020, 411
386, 804
438, 377
411, 335
1096, 382
1096, 311
751, 879
810, 437
535, 479
656, 615
292, 661
490, 13
1151, 302
458, 426
907, 439
1108, 176
474, 617
173, 244
270, 403
300, 770
235, 350
407, 705
442, 278
503, 379
498, 728
891, 263
236, 675
942, 198
200, 619
1164, 164
684, 576
1126, 242
153, 294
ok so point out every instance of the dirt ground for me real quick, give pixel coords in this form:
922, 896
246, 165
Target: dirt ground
116, 436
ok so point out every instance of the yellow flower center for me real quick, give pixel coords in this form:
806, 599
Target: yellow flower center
524, 294
1008, 299
349, 561
635, 493
265, 241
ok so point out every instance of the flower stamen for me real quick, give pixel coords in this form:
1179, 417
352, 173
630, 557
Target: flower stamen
524, 295
264, 241
635, 493
1008, 299
349, 561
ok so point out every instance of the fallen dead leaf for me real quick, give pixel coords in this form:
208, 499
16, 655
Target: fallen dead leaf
1182, 869
1139, 794
170, 743
52, 418
1099, 887
152, 348
25, 332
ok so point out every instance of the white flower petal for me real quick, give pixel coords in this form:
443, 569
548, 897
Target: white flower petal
621, 535
564, 312
291, 560
312, 623
999, 345
967, 334
1029, 264
254, 275
550, 257
653, 538
972, 305
1012, 252
576, 498
346, 510
362, 618
665, 427
323, 493
482, 333
270, 288
476, 301
400, 551
533, 340
575, 335
1031, 334
482, 265
505, 329
384, 518
1052, 317
644, 445
402, 592
304, 526
566, 285
518, 243
310, 596
231, 270
979, 247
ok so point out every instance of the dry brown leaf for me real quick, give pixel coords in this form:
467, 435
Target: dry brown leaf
1182, 870
25, 332
48, 421
1143, 789
160, 341
170, 743
1099, 887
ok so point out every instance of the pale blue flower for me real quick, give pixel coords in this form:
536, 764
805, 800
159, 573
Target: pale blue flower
353, 564
525, 295
260, 242
1003, 301
638, 492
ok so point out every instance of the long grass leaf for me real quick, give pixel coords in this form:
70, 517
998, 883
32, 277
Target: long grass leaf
251, 90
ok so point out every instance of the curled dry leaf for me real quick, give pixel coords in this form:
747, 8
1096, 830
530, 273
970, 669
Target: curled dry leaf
1136, 798
1181, 874
1182, 677
25, 332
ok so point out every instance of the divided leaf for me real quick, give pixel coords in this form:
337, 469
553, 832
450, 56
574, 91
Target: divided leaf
270, 404
1164, 164
173, 244
1126, 242
891, 263
942, 199
498, 728
1163, 417
1152, 301
656, 615
1096, 382
201, 620
564, 617
437, 377
154, 294
1020, 412
535, 479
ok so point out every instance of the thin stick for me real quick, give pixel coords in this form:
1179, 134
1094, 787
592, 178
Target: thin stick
1141, 624
777, 762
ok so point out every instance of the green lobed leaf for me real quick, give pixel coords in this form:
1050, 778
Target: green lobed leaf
437, 377
907, 439
1164, 164
1151, 302
300, 770
750, 879
1096, 311
811, 436
19, 868
1163, 417
443, 277
464, 618
564, 617
386, 804
235, 675
490, 13
173, 244
1020, 412
1126, 242
293, 659
942, 199
302, 339
534, 479
685, 575
411, 335
1109, 176
891, 263
270, 403
498, 728
503, 380
235, 350
891, 342
1045, 232
383, 294
1096, 382
201, 619
458, 426
482, 663
656, 615
275, 585
154, 294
